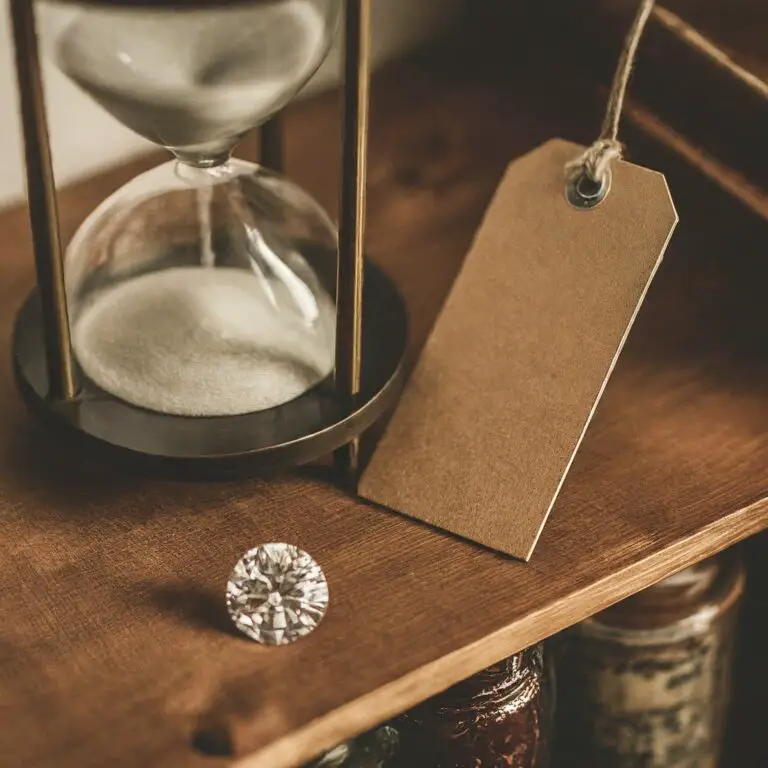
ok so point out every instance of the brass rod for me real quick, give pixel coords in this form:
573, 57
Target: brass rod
349, 277
43, 215
272, 149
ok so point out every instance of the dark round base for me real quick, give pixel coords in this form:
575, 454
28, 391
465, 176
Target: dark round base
305, 429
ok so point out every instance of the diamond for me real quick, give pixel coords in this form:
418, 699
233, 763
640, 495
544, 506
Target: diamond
276, 594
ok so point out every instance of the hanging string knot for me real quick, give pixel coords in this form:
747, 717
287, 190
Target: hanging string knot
596, 160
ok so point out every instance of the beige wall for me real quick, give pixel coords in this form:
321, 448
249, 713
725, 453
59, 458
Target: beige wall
85, 138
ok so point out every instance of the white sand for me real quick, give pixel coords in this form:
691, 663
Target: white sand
201, 342
184, 79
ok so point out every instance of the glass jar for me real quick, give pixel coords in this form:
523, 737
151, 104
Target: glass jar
371, 750
750, 685
646, 683
500, 717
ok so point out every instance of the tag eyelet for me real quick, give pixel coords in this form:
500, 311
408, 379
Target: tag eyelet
584, 193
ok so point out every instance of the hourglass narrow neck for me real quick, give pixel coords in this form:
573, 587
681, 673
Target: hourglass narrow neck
194, 158
205, 174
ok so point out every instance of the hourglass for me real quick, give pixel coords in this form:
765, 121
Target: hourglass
205, 319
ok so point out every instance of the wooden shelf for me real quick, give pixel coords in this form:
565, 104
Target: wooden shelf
116, 647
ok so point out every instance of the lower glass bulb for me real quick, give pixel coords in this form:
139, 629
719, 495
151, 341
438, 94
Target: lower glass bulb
204, 292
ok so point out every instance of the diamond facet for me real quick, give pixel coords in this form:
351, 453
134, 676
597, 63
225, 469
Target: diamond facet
276, 594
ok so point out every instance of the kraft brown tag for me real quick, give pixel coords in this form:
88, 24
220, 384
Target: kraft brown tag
514, 368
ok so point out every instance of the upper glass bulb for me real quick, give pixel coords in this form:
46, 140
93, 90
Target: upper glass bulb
192, 78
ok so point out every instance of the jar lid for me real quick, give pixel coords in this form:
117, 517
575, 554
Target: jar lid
716, 582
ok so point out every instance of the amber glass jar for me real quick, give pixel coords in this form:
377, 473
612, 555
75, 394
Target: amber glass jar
646, 683
500, 717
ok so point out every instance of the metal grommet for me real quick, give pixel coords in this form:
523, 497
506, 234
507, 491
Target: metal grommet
585, 193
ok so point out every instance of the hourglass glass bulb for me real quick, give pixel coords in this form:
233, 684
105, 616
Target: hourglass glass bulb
217, 314
192, 78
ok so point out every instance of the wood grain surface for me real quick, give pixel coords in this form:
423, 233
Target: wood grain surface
115, 647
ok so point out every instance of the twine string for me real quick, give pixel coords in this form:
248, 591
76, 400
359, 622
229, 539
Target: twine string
596, 161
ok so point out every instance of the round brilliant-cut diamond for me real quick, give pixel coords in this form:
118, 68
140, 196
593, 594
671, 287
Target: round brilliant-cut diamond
276, 594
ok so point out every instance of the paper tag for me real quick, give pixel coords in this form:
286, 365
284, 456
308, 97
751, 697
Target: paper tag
508, 381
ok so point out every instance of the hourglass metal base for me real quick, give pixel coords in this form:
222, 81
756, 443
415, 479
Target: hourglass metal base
305, 429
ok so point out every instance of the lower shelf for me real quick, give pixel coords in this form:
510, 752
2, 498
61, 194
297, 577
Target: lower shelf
672, 677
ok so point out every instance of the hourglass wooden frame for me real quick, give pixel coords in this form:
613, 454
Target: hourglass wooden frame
371, 320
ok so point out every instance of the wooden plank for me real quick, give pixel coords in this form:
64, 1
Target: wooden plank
738, 28
116, 647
